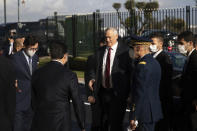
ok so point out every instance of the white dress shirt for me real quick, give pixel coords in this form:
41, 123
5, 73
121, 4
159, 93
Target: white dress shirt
29, 61
157, 53
191, 52
113, 53
11, 48
57, 61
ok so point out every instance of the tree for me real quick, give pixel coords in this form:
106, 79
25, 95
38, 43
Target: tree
196, 2
132, 22
141, 5
129, 4
117, 6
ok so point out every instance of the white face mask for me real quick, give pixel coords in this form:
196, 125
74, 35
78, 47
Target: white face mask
181, 49
30, 53
153, 48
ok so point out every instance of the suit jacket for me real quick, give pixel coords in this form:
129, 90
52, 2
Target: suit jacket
165, 90
147, 108
23, 99
6, 50
121, 73
90, 72
188, 82
7, 94
52, 88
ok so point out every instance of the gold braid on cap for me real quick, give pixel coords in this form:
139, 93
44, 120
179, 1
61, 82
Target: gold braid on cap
142, 43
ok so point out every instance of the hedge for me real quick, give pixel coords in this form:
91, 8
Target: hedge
77, 63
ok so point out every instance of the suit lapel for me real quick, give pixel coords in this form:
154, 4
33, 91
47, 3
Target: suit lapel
34, 63
115, 63
101, 57
159, 56
188, 61
26, 65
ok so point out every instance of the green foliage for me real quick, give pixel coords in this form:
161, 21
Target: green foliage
80, 74
43, 61
176, 24
129, 4
179, 23
152, 5
131, 23
116, 6
77, 63
140, 5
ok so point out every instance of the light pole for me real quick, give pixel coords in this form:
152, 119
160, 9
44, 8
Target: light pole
18, 11
5, 17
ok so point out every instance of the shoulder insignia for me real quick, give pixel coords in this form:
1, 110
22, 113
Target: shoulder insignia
142, 63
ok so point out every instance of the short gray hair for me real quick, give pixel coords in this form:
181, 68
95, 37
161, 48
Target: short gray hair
112, 29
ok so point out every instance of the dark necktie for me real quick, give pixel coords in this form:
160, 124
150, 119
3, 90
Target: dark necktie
107, 69
30, 65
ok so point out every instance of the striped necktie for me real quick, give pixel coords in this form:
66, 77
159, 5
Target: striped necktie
30, 65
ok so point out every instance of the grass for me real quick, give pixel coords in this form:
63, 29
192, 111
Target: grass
43, 60
80, 74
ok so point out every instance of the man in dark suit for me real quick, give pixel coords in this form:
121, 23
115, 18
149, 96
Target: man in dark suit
146, 106
165, 90
90, 73
52, 88
7, 94
188, 80
25, 63
111, 83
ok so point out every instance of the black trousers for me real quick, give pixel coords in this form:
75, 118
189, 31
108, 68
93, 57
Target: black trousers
23, 120
165, 124
146, 127
112, 110
96, 116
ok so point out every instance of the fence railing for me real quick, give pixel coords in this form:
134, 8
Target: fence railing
83, 32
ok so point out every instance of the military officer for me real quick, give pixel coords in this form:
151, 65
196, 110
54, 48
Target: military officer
146, 109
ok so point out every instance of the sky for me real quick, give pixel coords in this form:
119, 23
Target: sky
34, 10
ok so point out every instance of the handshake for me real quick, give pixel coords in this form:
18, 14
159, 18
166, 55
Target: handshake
133, 125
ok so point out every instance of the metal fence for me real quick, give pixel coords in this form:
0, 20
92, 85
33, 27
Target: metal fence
82, 32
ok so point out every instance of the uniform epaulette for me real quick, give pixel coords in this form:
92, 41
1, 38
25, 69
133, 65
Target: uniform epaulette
142, 63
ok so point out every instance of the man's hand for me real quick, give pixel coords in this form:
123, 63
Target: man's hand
83, 130
91, 99
90, 84
132, 125
16, 86
11, 40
